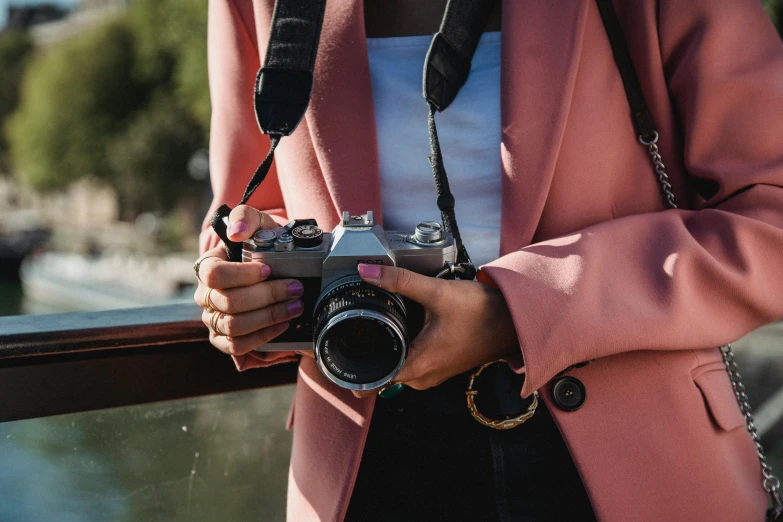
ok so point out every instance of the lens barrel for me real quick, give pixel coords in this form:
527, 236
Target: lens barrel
360, 334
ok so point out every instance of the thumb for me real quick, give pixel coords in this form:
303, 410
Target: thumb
418, 287
245, 220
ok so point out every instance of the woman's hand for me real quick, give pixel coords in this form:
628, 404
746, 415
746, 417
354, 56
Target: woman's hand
466, 324
253, 311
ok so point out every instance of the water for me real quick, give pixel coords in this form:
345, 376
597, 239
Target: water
222, 457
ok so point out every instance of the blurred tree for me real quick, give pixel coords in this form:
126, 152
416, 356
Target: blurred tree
127, 102
149, 157
15, 48
172, 46
775, 10
75, 97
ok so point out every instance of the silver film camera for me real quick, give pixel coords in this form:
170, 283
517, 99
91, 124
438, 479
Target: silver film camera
359, 332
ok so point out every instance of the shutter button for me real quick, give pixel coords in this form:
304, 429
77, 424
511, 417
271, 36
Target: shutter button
569, 393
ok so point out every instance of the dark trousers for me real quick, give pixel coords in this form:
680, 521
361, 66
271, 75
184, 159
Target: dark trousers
427, 459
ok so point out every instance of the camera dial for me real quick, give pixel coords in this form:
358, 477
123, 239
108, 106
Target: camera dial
265, 238
284, 243
307, 236
428, 232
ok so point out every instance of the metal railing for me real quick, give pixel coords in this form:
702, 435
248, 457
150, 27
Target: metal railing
66, 363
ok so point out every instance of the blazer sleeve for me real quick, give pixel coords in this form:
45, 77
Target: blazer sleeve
676, 279
236, 145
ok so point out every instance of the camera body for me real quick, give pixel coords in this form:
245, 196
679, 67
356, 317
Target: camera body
359, 332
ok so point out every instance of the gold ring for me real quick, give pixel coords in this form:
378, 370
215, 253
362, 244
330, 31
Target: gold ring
263, 219
209, 306
213, 322
197, 265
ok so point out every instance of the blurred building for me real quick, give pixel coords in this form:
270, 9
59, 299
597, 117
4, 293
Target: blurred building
86, 14
82, 205
23, 18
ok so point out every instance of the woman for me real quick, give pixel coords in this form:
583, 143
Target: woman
590, 266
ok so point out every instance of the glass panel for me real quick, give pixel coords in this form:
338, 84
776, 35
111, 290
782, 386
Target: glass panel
222, 457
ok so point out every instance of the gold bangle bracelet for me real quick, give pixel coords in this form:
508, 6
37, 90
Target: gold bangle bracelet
498, 424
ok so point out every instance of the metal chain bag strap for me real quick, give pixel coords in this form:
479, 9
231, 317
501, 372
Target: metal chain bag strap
648, 137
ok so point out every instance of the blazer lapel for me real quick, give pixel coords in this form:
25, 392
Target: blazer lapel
340, 118
538, 71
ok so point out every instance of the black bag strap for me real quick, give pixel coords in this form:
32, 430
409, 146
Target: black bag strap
446, 68
640, 113
642, 119
282, 90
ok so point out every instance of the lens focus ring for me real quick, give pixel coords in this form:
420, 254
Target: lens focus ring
360, 334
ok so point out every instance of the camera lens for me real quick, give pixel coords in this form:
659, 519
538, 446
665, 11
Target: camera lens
360, 335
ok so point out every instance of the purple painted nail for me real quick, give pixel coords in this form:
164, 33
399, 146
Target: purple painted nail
265, 271
237, 227
370, 272
295, 308
295, 289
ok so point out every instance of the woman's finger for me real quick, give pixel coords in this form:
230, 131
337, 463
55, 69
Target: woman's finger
237, 325
215, 271
217, 253
423, 359
422, 289
253, 297
219, 274
245, 220
246, 343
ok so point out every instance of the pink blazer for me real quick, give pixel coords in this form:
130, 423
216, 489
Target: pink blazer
593, 267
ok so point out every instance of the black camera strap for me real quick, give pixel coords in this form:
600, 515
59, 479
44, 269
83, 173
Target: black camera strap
282, 90
446, 69
284, 85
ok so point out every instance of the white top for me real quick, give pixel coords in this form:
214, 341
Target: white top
469, 134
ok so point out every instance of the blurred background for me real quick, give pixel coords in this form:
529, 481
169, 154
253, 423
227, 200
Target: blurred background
104, 180
104, 119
